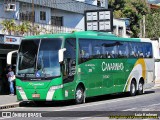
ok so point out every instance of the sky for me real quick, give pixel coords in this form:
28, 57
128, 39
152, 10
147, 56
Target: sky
154, 1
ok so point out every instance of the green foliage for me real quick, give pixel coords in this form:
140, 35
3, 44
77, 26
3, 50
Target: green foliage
132, 9
8, 26
24, 27
153, 24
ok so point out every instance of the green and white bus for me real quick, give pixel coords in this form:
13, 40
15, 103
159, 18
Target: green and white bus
79, 65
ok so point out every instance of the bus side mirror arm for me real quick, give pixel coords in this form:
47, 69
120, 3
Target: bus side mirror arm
61, 55
9, 57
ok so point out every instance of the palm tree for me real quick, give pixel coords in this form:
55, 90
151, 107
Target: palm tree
24, 27
8, 26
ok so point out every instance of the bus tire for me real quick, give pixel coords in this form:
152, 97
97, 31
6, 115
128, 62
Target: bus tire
133, 88
79, 95
140, 88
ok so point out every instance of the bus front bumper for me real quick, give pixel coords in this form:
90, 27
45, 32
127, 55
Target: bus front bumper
53, 93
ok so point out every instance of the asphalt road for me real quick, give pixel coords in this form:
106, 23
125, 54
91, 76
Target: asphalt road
120, 104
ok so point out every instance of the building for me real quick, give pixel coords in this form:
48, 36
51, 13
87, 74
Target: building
120, 28
68, 15
53, 15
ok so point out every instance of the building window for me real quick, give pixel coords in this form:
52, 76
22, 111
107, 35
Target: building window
42, 15
114, 30
27, 16
98, 3
120, 31
57, 21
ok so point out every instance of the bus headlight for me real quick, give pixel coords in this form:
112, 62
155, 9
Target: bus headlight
19, 88
55, 87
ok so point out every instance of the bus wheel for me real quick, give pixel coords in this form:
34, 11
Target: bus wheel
79, 95
140, 88
133, 88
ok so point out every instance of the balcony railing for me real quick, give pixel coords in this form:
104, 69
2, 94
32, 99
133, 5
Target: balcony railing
41, 29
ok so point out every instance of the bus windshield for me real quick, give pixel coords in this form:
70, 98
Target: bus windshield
39, 58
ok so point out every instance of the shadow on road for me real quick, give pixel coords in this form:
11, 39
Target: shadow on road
149, 92
71, 102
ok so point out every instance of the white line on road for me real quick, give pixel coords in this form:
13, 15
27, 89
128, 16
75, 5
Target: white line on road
141, 107
83, 118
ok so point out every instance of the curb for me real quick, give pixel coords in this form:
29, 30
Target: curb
7, 106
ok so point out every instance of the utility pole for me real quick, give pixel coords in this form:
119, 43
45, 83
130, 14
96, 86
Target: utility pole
33, 17
144, 26
141, 31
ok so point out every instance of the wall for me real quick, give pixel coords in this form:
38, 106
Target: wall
119, 23
71, 20
8, 14
48, 15
37, 13
156, 52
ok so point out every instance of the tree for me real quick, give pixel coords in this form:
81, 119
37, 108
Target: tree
117, 7
132, 9
152, 24
24, 27
8, 26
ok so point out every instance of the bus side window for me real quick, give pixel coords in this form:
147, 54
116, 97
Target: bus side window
109, 48
141, 50
148, 50
123, 50
85, 50
133, 50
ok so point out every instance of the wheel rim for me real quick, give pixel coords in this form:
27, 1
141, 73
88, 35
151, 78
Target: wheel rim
79, 94
133, 88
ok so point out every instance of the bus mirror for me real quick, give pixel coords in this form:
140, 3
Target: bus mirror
9, 57
61, 54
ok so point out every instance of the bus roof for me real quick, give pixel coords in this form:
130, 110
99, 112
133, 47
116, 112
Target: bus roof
86, 34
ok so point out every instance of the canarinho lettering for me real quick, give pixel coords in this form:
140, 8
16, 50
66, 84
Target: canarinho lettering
112, 66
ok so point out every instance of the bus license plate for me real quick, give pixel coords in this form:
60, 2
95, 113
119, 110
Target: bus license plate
36, 95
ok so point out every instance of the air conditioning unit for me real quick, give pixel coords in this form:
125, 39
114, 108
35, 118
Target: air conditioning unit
10, 7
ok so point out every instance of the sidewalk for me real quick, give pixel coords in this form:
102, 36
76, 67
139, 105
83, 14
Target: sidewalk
7, 101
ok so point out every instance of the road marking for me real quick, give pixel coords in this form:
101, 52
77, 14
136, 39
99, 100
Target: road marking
84, 118
141, 107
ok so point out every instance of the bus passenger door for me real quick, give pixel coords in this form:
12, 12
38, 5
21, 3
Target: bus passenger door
69, 65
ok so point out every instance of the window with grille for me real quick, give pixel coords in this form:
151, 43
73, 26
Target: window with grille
57, 21
27, 16
42, 15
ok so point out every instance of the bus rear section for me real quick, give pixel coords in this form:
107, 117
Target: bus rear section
114, 65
